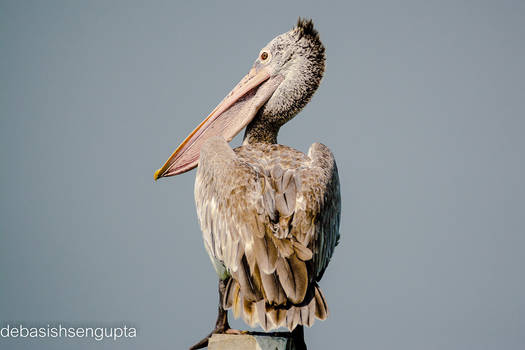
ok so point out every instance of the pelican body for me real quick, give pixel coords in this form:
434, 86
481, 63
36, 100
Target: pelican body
269, 213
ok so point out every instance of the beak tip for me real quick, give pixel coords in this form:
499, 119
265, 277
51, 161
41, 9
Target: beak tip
177, 164
157, 175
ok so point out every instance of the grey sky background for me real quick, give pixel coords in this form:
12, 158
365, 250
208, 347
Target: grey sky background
423, 105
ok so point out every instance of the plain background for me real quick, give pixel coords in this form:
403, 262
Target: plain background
422, 104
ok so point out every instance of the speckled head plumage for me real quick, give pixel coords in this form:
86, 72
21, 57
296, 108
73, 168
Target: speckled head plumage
285, 75
299, 56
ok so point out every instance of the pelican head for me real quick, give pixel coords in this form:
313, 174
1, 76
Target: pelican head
282, 80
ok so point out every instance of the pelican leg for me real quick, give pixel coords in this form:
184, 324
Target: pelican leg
221, 325
298, 337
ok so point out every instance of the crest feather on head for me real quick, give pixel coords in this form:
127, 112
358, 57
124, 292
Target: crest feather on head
305, 27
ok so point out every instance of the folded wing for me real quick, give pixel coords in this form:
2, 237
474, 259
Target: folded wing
270, 219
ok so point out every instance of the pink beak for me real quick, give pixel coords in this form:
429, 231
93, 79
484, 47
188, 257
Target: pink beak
227, 119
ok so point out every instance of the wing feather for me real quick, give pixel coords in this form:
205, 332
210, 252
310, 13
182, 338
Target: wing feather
270, 215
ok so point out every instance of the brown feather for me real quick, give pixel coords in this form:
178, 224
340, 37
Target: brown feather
249, 313
311, 313
278, 317
247, 283
305, 315
272, 289
289, 318
266, 254
284, 246
264, 320
302, 252
321, 311
293, 318
301, 277
237, 301
293, 277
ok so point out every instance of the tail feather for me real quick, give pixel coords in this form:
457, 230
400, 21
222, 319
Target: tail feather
272, 316
278, 316
293, 317
262, 316
321, 309
307, 314
249, 313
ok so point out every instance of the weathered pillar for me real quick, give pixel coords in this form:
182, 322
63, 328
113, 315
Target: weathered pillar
250, 342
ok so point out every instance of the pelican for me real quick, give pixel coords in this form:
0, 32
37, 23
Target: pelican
269, 214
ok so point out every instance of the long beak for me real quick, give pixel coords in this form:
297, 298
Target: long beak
227, 119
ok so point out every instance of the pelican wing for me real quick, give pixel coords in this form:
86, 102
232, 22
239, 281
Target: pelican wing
318, 210
269, 215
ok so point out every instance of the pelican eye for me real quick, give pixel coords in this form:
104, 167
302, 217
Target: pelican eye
264, 56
